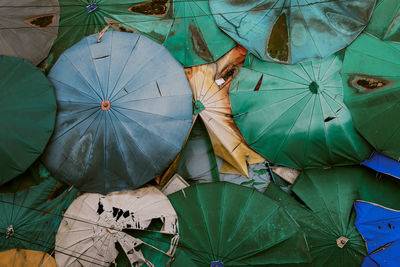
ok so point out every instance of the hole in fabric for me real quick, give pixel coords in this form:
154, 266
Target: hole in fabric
259, 83
100, 208
41, 21
379, 227
152, 7
226, 75
390, 226
329, 119
277, 46
366, 84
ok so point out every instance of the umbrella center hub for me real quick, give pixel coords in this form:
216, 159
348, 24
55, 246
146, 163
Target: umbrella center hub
314, 87
105, 105
9, 231
198, 107
342, 241
216, 264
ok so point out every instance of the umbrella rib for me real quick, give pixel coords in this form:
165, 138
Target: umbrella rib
75, 88
93, 68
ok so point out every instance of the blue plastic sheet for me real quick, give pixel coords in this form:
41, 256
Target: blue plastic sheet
380, 228
383, 164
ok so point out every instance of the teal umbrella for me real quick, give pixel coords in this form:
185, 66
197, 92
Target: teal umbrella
27, 115
231, 225
30, 218
294, 115
385, 20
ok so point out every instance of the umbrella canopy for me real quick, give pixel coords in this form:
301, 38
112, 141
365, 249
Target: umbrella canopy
30, 218
371, 76
189, 31
94, 223
294, 115
379, 226
24, 258
292, 31
27, 115
385, 20
383, 164
210, 84
236, 226
327, 217
125, 109
28, 28
198, 164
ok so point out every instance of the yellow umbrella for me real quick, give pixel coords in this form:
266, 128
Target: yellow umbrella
26, 258
210, 84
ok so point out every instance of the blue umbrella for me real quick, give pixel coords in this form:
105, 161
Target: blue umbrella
125, 109
380, 228
383, 164
292, 31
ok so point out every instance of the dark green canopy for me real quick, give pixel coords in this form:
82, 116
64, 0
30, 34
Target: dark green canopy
385, 20
30, 218
27, 115
235, 225
327, 216
294, 115
371, 79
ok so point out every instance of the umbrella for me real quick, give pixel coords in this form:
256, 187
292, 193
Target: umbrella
371, 75
27, 115
292, 31
294, 116
383, 164
327, 217
379, 226
198, 164
189, 31
235, 226
385, 20
125, 109
210, 84
23, 258
94, 224
28, 28
30, 218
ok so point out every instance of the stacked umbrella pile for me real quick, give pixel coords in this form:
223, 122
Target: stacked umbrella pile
199, 133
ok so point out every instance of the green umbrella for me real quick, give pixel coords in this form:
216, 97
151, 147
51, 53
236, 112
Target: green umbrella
27, 115
294, 115
30, 218
385, 20
236, 226
191, 34
327, 217
371, 76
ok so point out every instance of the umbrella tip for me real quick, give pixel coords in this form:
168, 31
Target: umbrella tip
313, 86
105, 105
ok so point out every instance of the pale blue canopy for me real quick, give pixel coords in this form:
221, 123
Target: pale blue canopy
125, 109
292, 31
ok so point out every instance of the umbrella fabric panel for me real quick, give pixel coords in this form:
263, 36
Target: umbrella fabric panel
142, 129
235, 225
294, 115
27, 115
383, 164
189, 32
385, 20
28, 28
371, 76
379, 227
94, 223
23, 258
292, 31
30, 219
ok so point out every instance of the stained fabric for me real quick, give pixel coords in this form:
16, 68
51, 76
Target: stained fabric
210, 84
294, 116
383, 164
292, 31
24, 258
385, 20
199, 164
142, 222
125, 109
28, 28
235, 225
371, 76
325, 212
188, 31
30, 218
379, 226
27, 115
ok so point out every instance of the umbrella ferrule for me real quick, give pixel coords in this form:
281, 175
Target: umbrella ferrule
9, 231
314, 87
342, 241
92, 7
